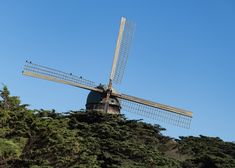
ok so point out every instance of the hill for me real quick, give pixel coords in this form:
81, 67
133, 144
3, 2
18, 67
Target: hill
46, 139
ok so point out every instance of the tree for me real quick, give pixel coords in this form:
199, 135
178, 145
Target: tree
46, 138
10, 102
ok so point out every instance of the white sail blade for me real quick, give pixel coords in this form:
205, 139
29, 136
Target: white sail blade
124, 40
156, 111
42, 72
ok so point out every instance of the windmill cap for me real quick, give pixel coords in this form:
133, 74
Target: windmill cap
98, 98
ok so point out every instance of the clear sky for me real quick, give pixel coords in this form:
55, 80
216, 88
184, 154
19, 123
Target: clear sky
183, 54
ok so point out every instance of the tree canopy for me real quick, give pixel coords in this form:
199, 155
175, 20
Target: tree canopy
46, 139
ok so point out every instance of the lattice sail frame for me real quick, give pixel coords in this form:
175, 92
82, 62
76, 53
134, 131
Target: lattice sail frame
125, 37
43, 72
156, 113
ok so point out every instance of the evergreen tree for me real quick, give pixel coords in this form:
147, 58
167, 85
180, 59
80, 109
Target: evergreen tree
47, 139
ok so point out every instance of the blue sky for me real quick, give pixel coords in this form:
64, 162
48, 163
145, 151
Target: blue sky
183, 55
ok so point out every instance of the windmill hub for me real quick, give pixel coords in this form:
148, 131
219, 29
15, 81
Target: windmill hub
96, 101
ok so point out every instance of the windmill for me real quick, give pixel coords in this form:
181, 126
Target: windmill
104, 97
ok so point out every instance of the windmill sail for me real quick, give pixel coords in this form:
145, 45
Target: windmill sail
156, 111
43, 72
125, 35
124, 40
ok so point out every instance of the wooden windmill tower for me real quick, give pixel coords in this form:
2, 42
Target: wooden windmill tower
104, 97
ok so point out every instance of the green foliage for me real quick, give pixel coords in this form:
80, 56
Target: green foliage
51, 141
46, 139
116, 142
207, 152
10, 102
8, 149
